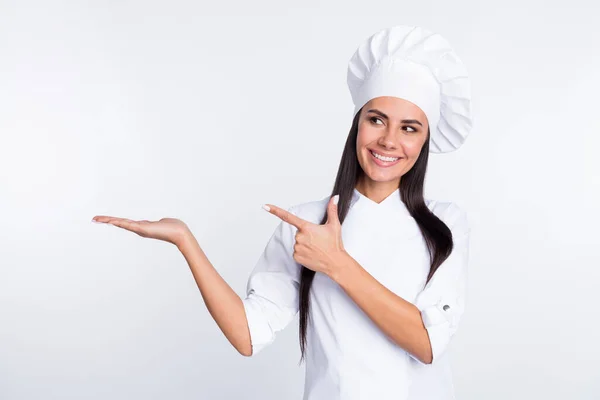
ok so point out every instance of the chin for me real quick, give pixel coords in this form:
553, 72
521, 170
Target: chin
383, 176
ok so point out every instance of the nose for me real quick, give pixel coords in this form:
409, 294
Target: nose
388, 140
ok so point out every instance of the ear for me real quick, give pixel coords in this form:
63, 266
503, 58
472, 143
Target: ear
332, 210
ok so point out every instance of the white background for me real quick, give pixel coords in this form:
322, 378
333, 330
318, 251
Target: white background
203, 112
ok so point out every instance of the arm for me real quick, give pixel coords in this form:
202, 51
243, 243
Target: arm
223, 304
396, 317
250, 324
423, 329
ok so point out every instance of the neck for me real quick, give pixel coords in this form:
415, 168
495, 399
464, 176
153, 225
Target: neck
376, 191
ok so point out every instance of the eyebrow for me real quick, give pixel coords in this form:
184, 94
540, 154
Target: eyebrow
404, 121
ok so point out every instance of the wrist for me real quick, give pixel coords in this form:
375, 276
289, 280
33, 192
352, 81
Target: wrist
184, 240
339, 264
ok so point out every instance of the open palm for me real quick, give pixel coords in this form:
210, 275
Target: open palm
170, 230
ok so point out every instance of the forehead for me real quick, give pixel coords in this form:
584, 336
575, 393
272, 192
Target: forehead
395, 107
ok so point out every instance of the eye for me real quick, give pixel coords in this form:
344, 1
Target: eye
375, 118
413, 129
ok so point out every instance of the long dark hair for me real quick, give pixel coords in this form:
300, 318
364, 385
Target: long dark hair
437, 235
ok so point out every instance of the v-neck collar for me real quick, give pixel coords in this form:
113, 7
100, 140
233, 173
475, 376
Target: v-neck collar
392, 203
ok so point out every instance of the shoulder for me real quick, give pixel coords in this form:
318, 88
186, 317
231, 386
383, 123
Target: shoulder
452, 214
312, 211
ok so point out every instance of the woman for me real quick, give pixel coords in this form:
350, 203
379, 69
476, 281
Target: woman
376, 272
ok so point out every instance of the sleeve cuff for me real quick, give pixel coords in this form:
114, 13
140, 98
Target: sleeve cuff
440, 321
261, 334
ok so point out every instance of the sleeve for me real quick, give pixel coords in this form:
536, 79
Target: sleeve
442, 301
272, 291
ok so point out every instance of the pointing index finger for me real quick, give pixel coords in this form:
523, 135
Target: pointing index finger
287, 216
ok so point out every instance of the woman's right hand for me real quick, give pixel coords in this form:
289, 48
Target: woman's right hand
170, 230
223, 303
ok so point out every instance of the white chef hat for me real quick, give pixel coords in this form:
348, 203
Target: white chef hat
420, 66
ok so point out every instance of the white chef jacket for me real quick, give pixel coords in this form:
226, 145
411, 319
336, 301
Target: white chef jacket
347, 356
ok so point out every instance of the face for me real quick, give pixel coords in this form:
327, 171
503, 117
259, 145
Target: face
389, 127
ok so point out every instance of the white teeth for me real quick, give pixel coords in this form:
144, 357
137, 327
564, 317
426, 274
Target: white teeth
388, 159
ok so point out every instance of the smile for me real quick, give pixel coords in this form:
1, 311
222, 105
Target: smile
384, 161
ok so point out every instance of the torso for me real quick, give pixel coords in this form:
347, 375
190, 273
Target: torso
348, 356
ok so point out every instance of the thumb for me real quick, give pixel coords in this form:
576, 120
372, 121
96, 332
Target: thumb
332, 210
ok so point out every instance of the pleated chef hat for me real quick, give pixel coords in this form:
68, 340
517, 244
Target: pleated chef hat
420, 66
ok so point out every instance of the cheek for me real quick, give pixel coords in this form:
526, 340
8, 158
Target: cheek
412, 148
363, 139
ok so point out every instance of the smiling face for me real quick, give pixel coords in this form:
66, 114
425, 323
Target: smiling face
394, 129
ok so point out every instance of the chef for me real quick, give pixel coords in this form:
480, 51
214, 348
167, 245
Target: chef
376, 272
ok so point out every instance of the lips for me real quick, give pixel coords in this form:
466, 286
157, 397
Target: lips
382, 154
382, 163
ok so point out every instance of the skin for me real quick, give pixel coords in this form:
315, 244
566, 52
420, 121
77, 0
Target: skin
320, 247
388, 136
222, 302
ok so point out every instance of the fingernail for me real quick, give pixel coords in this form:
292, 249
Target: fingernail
336, 198
266, 207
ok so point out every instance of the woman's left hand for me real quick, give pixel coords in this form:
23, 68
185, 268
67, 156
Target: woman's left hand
317, 247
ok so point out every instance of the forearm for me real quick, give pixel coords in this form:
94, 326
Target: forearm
223, 303
397, 318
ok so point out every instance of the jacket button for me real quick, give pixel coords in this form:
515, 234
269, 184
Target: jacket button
446, 307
